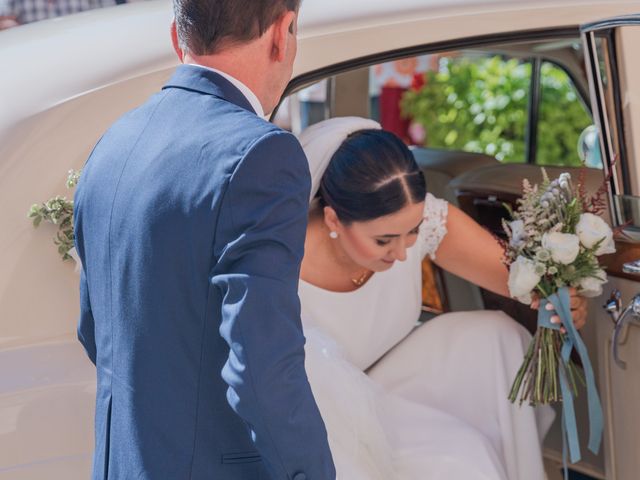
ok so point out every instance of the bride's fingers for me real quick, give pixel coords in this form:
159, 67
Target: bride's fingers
535, 301
578, 305
576, 301
579, 311
579, 316
556, 319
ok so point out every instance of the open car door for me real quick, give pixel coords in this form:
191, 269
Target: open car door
613, 68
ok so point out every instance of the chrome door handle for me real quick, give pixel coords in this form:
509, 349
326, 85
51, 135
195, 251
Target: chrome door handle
621, 320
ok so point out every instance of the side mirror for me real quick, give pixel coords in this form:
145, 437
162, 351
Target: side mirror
589, 148
627, 206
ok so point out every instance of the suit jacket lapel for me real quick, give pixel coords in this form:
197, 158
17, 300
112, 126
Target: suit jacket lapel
203, 80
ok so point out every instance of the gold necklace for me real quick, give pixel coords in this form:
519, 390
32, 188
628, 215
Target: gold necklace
358, 282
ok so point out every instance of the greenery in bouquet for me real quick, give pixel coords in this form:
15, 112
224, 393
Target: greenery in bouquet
58, 211
554, 238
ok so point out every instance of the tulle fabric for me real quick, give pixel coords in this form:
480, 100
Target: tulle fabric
348, 402
375, 435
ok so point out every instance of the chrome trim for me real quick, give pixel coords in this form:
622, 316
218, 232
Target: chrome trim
599, 111
621, 320
631, 313
533, 110
632, 267
308, 78
614, 305
620, 21
610, 123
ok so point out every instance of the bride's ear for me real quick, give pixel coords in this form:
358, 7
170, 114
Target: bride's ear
331, 219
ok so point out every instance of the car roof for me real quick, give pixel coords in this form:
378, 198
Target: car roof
55, 61
324, 16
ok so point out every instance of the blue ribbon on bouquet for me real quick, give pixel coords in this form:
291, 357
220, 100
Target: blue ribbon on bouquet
561, 302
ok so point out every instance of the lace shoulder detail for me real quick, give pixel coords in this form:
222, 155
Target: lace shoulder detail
434, 227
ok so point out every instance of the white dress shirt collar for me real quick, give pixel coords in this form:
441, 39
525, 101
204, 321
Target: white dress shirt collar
246, 91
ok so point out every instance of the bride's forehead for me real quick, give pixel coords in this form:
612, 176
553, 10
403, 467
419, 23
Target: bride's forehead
398, 223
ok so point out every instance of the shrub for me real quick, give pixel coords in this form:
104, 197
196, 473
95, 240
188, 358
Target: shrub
480, 104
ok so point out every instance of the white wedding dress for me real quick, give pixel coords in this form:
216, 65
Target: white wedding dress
435, 406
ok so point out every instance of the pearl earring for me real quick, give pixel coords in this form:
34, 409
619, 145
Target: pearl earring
333, 234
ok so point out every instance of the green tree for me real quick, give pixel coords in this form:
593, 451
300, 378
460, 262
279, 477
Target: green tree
563, 117
480, 104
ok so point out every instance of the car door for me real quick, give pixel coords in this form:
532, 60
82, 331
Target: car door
613, 68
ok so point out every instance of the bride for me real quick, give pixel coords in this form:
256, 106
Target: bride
435, 406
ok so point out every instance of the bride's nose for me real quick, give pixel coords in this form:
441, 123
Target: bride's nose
400, 250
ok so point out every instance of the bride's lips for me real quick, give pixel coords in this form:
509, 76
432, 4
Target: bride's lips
389, 262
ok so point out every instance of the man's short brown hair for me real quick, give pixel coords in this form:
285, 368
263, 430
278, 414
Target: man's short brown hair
203, 26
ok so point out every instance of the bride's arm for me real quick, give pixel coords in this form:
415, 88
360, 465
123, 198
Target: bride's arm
471, 252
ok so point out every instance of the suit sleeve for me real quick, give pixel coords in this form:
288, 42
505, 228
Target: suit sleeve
262, 227
86, 325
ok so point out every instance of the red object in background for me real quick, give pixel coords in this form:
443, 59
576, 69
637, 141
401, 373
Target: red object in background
418, 81
390, 114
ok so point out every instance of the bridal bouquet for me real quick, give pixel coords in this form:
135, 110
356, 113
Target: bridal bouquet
554, 238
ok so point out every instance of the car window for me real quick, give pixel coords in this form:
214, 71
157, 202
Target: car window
562, 120
508, 101
473, 102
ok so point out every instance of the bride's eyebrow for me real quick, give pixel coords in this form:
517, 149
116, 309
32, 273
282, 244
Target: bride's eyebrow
394, 236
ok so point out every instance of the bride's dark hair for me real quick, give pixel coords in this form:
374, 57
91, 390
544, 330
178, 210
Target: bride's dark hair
371, 175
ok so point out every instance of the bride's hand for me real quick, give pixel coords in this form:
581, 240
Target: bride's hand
578, 310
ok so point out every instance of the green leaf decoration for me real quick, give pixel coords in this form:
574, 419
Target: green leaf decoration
58, 211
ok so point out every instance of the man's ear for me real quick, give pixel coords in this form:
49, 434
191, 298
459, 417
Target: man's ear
281, 29
175, 41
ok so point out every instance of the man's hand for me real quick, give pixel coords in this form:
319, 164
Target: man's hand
8, 22
578, 310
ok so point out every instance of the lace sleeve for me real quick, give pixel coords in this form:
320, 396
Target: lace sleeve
434, 227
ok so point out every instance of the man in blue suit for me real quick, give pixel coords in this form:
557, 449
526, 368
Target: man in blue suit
190, 221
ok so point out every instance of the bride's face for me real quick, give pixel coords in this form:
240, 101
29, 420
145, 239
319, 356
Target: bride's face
377, 244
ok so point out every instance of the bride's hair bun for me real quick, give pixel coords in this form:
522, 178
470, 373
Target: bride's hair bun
371, 175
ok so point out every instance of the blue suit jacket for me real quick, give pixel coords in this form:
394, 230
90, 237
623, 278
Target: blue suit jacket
190, 219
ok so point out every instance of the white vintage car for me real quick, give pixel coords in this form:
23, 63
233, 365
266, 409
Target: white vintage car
65, 81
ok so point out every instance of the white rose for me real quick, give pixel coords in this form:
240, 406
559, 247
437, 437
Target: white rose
608, 246
564, 247
591, 229
526, 299
518, 235
592, 286
523, 279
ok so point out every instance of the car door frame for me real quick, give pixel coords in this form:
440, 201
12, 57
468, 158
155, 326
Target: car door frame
617, 384
308, 78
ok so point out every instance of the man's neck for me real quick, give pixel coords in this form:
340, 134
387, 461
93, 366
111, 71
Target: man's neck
232, 66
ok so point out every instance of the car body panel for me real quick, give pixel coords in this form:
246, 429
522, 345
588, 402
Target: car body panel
61, 92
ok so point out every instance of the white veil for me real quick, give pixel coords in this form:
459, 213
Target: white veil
321, 140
